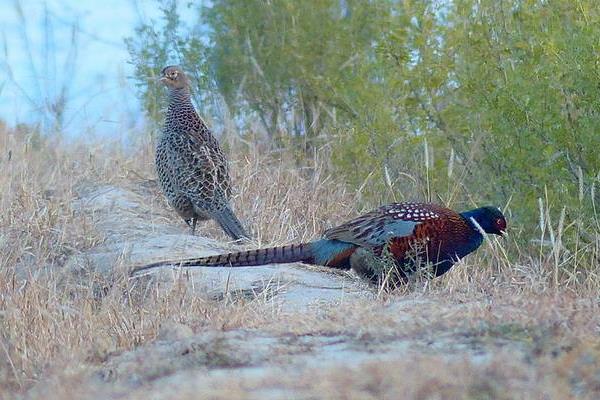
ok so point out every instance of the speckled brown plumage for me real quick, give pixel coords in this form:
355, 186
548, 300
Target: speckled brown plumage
192, 169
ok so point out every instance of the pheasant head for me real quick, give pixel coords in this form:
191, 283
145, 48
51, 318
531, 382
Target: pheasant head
490, 219
174, 78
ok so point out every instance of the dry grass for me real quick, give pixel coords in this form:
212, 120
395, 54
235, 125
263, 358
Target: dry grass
51, 334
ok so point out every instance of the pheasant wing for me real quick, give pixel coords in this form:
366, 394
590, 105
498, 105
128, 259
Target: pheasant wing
203, 171
377, 227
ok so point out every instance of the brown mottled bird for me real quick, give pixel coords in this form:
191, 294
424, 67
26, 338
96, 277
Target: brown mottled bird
191, 167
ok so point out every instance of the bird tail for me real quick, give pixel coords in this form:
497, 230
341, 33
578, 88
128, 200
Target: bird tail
230, 223
275, 255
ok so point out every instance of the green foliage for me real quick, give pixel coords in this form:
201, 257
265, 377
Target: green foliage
292, 63
398, 126
157, 45
510, 89
527, 77
463, 102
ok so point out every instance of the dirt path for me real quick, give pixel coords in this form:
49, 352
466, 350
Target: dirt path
134, 235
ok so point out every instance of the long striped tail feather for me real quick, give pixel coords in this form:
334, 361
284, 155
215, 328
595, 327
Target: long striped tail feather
249, 258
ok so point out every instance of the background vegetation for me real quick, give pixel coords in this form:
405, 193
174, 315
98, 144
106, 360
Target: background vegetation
464, 102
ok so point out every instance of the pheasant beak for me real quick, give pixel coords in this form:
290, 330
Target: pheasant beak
503, 233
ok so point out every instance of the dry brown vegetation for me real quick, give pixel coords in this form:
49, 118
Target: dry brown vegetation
535, 325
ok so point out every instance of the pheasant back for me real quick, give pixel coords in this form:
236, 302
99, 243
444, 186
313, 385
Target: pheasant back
432, 233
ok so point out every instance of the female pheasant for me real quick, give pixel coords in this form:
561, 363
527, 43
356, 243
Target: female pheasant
192, 169
408, 232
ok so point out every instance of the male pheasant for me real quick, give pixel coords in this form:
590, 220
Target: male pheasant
191, 167
409, 232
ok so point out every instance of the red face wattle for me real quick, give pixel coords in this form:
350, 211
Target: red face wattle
500, 224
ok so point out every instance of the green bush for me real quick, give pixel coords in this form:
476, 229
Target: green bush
464, 102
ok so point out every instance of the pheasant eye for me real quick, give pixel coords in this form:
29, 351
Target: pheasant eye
499, 222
